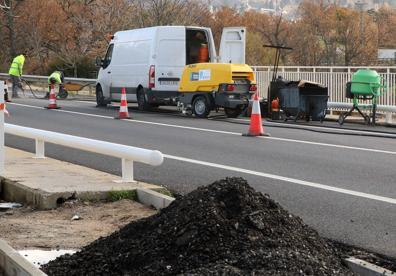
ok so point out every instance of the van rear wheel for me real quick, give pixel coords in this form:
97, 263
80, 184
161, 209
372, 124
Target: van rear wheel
141, 99
201, 107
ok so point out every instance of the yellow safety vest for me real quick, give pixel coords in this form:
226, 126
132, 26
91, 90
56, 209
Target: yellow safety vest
55, 75
17, 66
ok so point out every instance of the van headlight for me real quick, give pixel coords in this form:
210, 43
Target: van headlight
231, 96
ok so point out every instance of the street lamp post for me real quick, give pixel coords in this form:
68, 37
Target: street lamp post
360, 6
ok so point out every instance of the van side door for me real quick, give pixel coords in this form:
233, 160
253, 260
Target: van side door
232, 45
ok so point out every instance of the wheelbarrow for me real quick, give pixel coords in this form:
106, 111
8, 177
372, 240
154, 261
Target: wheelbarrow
70, 86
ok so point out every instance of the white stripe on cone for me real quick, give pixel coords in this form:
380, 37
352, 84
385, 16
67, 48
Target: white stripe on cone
123, 113
52, 98
256, 107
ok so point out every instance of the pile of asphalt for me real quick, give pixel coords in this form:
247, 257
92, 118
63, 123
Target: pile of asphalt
225, 228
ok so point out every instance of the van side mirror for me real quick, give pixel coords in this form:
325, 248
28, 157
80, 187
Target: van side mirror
99, 62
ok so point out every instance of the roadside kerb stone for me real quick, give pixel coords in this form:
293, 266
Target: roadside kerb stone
42, 200
364, 268
153, 198
13, 264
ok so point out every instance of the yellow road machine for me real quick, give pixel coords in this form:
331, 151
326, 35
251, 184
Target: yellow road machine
210, 86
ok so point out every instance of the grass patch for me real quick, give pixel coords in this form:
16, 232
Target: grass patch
116, 195
165, 192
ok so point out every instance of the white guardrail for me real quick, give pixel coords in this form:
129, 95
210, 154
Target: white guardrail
128, 154
45, 79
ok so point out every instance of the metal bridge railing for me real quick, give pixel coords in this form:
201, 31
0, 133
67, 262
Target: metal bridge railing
335, 78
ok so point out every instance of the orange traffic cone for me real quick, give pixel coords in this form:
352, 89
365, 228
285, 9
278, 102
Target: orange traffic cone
256, 125
123, 114
52, 99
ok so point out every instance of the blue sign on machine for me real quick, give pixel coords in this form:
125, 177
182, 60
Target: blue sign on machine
194, 76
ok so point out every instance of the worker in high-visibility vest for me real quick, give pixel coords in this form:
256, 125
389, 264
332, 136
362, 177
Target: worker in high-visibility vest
57, 77
16, 73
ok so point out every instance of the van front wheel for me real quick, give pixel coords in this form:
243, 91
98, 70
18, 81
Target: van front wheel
141, 99
100, 100
201, 107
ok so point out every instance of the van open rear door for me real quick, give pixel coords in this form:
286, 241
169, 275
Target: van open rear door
171, 57
232, 45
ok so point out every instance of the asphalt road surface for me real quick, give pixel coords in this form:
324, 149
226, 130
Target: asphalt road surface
341, 183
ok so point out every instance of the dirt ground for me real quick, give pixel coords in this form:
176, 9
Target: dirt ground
28, 228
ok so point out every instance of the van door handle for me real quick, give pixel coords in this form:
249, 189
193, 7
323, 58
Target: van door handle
109, 72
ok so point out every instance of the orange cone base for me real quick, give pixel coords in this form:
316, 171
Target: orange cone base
120, 117
254, 135
52, 107
256, 126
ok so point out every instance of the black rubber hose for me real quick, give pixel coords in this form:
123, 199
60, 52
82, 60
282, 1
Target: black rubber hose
31, 90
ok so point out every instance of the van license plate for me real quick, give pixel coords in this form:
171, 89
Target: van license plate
169, 83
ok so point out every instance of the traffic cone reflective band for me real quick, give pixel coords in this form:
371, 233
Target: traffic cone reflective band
3, 107
123, 114
256, 125
52, 98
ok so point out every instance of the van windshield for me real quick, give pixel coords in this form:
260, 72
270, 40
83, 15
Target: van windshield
108, 56
197, 47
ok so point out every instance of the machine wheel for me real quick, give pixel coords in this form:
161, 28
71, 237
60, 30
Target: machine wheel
100, 100
341, 119
232, 112
141, 99
200, 107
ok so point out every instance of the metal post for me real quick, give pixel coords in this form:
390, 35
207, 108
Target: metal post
2, 87
388, 92
331, 87
127, 170
40, 150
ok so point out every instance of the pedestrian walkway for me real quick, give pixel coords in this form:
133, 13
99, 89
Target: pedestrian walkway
47, 182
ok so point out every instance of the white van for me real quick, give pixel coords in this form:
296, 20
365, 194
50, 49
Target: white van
149, 62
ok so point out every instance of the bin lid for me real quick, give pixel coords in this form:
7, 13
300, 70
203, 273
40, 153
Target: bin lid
304, 83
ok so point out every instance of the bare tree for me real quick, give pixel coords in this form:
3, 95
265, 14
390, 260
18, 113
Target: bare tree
8, 8
169, 12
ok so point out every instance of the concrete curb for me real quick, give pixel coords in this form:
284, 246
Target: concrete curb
16, 192
42, 200
152, 198
364, 268
13, 264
